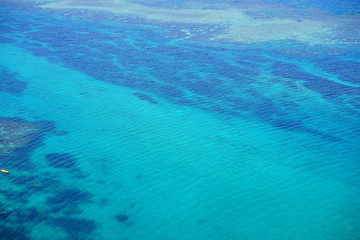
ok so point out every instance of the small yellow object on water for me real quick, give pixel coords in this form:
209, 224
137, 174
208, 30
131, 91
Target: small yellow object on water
4, 171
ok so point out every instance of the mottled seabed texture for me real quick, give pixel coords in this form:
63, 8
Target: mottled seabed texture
180, 120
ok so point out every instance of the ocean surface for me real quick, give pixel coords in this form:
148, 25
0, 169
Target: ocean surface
180, 120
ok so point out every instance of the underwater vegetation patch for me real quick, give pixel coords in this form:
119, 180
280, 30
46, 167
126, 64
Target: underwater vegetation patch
28, 189
76, 228
296, 125
327, 88
24, 179
347, 71
122, 218
60, 160
331, 89
40, 51
4, 214
7, 40
67, 198
10, 83
291, 71
220, 79
271, 113
6, 29
169, 92
61, 201
61, 133
31, 214
33, 184
355, 102
145, 97
18, 196
18, 138
14, 233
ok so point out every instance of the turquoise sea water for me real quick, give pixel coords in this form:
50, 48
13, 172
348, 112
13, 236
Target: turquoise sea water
169, 138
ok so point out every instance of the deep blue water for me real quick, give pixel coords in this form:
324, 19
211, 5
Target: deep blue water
143, 133
334, 6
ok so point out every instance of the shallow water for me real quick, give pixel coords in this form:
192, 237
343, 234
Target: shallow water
162, 136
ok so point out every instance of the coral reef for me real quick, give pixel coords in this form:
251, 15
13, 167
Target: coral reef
18, 138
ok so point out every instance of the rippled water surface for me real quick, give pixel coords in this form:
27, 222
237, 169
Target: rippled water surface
180, 120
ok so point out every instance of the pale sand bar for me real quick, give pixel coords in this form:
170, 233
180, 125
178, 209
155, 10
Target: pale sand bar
284, 23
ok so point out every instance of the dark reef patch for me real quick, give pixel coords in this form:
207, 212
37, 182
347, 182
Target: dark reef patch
29, 215
355, 103
206, 88
201, 221
297, 125
70, 198
6, 29
18, 196
33, 184
24, 179
5, 40
40, 51
122, 218
290, 71
60, 160
327, 88
330, 89
272, 114
145, 97
288, 83
18, 138
348, 71
170, 92
286, 124
9, 82
61, 133
76, 228
4, 214
50, 181
16, 233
